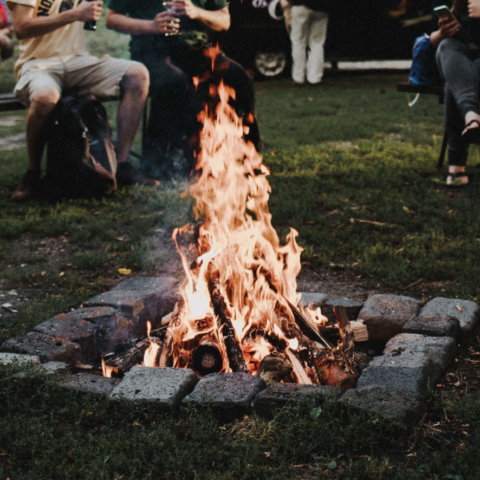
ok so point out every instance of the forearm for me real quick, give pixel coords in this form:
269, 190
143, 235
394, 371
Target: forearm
217, 20
27, 26
436, 37
131, 26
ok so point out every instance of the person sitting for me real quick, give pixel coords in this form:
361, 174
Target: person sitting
173, 40
458, 60
6, 42
53, 58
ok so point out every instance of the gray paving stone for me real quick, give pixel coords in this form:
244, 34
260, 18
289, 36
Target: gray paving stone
54, 368
9, 358
164, 387
385, 315
74, 329
402, 410
88, 383
465, 311
140, 299
434, 325
352, 307
441, 350
313, 298
227, 395
278, 395
46, 347
408, 374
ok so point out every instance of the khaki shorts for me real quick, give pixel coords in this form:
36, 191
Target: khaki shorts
80, 75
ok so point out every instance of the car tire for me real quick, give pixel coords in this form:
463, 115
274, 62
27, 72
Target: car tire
269, 64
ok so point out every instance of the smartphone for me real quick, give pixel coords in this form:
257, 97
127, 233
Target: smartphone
444, 12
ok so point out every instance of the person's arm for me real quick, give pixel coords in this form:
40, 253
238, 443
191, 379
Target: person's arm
26, 25
474, 8
164, 22
446, 28
216, 20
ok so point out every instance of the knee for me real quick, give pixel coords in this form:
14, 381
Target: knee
136, 80
446, 46
44, 101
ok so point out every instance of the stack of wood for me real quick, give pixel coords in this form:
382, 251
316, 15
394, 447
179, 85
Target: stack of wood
324, 355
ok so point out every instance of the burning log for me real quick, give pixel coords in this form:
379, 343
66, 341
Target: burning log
234, 351
308, 328
206, 358
129, 358
274, 368
347, 337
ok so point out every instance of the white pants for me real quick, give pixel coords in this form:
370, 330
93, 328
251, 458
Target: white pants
309, 29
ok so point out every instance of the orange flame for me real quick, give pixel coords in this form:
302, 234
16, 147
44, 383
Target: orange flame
150, 356
256, 274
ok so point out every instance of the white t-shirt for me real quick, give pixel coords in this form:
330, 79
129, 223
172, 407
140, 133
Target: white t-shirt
65, 41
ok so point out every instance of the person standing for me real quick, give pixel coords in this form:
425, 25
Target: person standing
309, 30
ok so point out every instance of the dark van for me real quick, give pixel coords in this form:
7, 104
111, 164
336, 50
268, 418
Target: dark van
358, 30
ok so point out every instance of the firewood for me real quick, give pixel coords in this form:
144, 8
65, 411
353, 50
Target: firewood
129, 358
274, 368
234, 351
347, 337
307, 326
206, 358
298, 369
360, 331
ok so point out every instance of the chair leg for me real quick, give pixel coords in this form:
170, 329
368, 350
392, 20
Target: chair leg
443, 150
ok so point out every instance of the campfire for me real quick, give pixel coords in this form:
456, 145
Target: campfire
240, 310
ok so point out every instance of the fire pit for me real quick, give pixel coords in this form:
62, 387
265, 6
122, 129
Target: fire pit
238, 322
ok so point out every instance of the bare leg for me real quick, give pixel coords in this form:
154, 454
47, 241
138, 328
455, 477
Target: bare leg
135, 85
472, 119
42, 104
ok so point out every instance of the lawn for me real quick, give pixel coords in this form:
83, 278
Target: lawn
353, 170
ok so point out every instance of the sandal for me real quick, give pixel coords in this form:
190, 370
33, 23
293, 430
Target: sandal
472, 135
458, 179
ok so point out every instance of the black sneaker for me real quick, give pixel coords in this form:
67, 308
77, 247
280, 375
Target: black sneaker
29, 186
127, 175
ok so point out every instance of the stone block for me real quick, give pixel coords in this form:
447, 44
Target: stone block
313, 298
139, 299
164, 387
54, 368
227, 395
352, 307
402, 410
46, 347
74, 329
440, 350
465, 311
88, 383
407, 375
434, 325
278, 395
385, 315
18, 358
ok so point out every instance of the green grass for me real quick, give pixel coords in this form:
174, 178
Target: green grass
353, 170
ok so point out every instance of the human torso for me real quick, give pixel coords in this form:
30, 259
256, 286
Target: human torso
65, 41
191, 30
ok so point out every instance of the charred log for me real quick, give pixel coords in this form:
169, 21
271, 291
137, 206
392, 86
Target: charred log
274, 368
206, 358
234, 351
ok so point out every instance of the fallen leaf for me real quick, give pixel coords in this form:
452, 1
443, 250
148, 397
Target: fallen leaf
61, 274
124, 271
460, 309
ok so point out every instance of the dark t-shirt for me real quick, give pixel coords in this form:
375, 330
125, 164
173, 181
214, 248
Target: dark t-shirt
193, 34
